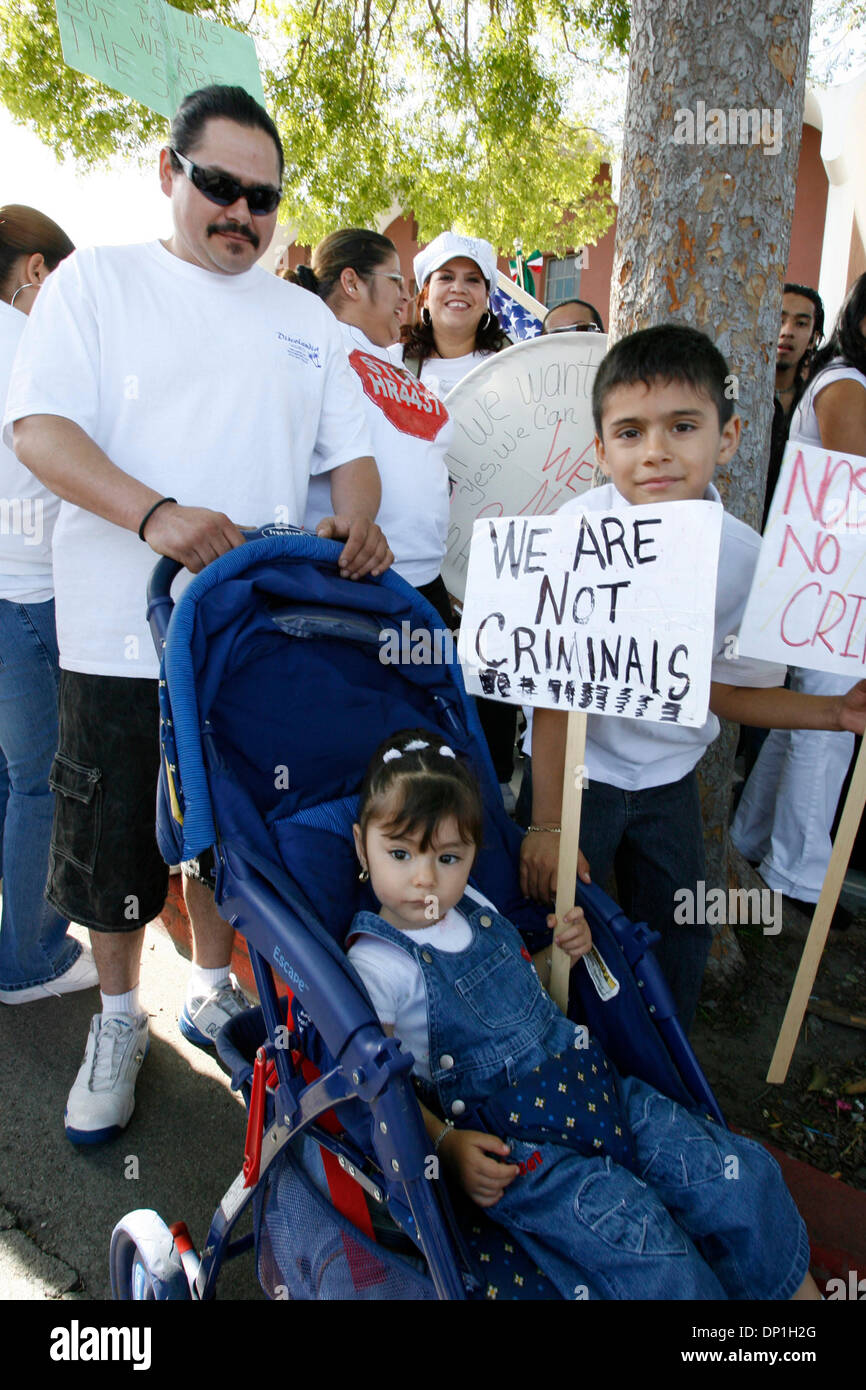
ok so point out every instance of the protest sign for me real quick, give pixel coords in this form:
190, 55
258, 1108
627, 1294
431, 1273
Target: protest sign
807, 605
523, 436
605, 612
153, 52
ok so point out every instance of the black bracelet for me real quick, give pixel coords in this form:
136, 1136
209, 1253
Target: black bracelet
146, 518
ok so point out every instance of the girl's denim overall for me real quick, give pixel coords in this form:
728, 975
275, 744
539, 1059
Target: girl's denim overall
503, 1058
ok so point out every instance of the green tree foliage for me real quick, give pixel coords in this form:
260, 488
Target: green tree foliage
473, 113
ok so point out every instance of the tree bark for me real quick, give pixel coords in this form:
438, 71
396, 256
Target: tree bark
703, 232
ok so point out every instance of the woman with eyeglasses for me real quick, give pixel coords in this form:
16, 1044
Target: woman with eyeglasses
357, 273
37, 957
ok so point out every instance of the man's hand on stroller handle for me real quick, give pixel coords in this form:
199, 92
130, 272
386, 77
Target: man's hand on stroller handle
366, 550
194, 536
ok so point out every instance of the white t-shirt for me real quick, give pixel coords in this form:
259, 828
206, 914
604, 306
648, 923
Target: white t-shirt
441, 374
28, 510
804, 422
224, 391
411, 434
632, 754
394, 981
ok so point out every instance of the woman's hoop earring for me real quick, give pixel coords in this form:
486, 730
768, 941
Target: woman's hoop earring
425, 317
363, 875
486, 321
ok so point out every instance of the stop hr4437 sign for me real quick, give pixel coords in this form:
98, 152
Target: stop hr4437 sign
604, 612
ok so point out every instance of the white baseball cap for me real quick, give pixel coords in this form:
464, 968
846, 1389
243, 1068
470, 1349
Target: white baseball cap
445, 247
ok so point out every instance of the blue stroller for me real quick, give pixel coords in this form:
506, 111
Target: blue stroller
274, 695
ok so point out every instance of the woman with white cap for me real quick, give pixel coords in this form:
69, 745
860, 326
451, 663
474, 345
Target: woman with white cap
37, 957
357, 273
454, 327
454, 330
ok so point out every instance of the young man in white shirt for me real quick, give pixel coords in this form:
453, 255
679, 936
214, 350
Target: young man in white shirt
176, 369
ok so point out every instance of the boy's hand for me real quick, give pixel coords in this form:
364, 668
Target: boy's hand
574, 936
852, 709
539, 862
465, 1154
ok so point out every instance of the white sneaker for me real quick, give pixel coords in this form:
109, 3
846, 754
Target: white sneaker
81, 974
103, 1096
202, 1018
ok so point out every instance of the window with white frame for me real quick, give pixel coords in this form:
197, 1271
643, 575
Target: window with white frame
562, 280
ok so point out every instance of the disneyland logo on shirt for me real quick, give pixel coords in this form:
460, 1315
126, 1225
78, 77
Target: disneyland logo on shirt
22, 516
300, 348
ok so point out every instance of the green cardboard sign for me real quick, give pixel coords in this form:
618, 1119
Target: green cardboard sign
153, 52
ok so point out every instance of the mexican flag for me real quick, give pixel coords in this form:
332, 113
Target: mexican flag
527, 279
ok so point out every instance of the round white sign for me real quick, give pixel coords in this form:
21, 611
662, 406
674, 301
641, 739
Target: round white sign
523, 436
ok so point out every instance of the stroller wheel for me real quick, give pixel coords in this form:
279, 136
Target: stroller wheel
144, 1260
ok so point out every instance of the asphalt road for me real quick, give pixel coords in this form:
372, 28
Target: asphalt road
185, 1141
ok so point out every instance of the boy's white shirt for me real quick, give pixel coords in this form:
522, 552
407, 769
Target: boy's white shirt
394, 981
632, 754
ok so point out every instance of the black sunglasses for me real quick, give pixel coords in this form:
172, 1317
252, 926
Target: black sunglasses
576, 328
223, 190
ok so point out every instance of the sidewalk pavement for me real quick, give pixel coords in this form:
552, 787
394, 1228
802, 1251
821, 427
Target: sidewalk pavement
180, 1152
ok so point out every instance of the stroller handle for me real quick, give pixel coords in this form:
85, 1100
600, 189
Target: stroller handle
160, 603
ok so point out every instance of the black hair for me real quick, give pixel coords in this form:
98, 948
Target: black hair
25, 232
596, 316
817, 302
219, 101
847, 340
432, 785
352, 248
669, 352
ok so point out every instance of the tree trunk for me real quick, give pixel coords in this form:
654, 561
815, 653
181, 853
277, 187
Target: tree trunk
703, 231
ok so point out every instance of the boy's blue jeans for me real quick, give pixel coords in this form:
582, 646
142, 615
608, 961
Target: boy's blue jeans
705, 1215
653, 839
34, 946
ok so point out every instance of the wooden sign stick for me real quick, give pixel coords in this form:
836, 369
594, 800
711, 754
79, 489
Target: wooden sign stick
824, 909
566, 875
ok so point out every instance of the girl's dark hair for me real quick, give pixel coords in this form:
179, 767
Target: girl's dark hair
846, 340
419, 340
25, 232
429, 785
352, 248
219, 100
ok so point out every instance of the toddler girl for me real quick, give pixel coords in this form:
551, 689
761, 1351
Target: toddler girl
598, 1176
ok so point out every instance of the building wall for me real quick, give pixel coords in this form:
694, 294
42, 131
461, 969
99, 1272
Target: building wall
810, 210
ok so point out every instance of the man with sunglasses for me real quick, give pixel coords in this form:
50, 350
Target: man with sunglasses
169, 393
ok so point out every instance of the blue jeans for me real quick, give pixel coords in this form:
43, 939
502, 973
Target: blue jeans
705, 1215
34, 946
653, 840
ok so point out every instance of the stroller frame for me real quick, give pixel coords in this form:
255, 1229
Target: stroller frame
258, 897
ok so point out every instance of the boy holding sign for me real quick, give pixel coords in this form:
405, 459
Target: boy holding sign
663, 423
